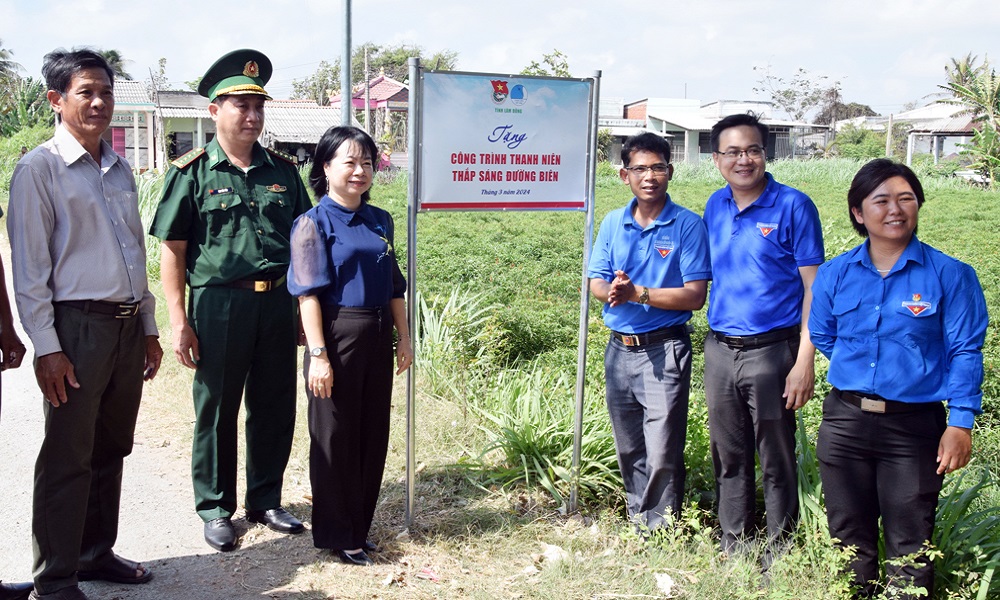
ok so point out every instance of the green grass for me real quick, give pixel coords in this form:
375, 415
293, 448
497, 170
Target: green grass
499, 313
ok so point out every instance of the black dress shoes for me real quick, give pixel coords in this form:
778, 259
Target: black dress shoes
15, 591
370, 546
220, 534
277, 519
359, 559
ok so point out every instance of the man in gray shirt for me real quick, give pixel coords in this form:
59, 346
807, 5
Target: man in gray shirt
79, 264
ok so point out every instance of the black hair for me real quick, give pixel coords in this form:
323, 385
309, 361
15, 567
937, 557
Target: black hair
650, 142
872, 175
750, 119
327, 147
60, 65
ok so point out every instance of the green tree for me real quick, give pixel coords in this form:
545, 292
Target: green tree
8, 67
319, 85
393, 60
979, 94
553, 64
799, 94
25, 105
838, 111
117, 63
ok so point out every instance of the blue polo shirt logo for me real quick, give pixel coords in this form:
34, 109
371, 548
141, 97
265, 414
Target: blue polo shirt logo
664, 246
766, 228
916, 306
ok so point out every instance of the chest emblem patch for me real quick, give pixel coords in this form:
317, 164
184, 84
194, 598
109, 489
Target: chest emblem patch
664, 246
766, 228
917, 305
276, 188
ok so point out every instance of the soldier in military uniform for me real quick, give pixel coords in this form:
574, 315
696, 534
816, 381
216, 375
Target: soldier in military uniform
225, 219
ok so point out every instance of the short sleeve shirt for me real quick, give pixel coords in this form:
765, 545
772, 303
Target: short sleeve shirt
671, 251
237, 224
756, 254
345, 257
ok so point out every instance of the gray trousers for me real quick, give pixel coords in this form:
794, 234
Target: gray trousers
78, 475
647, 397
746, 412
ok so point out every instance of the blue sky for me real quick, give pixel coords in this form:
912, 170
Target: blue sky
884, 53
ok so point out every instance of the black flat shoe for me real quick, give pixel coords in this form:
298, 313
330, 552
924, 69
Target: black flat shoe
359, 559
220, 534
277, 519
15, 591
370, 546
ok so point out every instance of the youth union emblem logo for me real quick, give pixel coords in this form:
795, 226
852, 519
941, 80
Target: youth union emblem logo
664, 246
767, 228
500, 91
518, 95
917, 305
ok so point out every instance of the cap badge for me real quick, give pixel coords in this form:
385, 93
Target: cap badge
251, 69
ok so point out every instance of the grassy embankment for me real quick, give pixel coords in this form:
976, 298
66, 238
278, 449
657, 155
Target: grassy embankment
497, 374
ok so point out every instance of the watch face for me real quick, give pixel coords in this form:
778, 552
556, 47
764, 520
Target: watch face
317, 351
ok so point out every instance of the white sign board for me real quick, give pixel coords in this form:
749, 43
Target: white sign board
503, 142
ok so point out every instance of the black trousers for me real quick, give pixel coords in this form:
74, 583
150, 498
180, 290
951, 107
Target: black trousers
746, 414
78, 475
349, 431
881, 465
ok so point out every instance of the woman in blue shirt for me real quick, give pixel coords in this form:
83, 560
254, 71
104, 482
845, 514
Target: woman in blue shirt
350, 289
903, 326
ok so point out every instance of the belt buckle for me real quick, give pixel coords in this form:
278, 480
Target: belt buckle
874, 406
630, 340
262, 286
127, 311
733, 341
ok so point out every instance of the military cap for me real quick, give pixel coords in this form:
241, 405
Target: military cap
238, 72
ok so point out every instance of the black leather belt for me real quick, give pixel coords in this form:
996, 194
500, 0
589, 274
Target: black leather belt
118, 310
257, 285
877, 404
650, 337
756, 341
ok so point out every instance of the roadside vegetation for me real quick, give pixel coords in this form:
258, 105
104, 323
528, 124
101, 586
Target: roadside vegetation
498, 298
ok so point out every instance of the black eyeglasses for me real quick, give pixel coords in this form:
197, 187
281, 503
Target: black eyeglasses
753, 152
640, 170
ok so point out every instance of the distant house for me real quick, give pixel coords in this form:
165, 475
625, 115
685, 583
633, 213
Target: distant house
150, 133
388, 102
131, 133
687, 124
936, 129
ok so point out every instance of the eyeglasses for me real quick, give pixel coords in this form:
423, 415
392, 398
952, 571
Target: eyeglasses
641, 170
753, 152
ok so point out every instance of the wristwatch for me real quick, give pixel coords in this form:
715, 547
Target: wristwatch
644, 296
317, 351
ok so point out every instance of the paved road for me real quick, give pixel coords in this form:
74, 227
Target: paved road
158, 523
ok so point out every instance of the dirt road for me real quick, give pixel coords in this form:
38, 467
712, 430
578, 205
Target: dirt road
158, 524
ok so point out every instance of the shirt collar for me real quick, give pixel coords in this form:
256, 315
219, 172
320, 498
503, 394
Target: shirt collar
346, 215
71, 150
914, 252
217, 156
666, 216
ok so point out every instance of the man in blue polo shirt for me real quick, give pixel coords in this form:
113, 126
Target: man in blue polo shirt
649, 266
766, 243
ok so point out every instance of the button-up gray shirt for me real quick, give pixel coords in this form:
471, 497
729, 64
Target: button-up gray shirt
75, 234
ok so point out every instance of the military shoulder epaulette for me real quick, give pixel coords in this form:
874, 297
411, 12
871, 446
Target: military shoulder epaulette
188, 158
285, 157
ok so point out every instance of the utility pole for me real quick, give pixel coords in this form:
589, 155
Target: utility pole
346, 93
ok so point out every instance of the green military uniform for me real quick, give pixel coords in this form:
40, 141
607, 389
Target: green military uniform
237, 225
